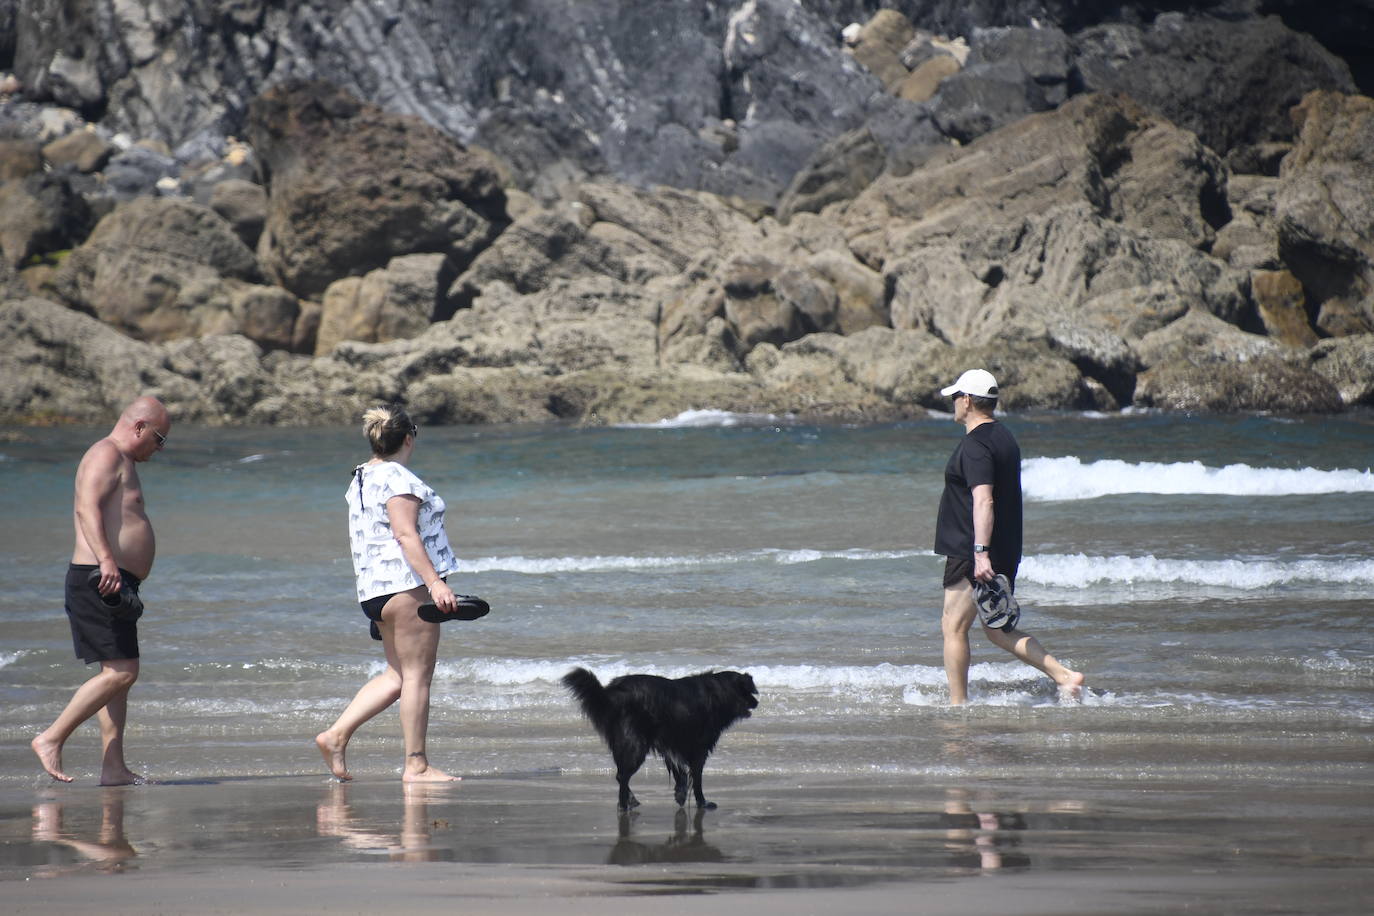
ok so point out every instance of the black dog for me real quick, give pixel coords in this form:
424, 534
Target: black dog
680, 720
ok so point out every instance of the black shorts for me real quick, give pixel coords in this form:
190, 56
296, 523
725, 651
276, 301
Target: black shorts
958, 569
372, 610
97, 635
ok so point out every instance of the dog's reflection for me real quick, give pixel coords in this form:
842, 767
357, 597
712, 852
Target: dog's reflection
681, 846
334, 817
109, 851
981, 839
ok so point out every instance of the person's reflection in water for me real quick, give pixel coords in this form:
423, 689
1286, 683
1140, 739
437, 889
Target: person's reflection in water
680, 847
110, 849
981, 839
413, 842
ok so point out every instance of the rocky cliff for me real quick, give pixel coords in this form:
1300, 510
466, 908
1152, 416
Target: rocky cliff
524, 211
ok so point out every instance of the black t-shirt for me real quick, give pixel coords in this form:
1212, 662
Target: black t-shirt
989, 454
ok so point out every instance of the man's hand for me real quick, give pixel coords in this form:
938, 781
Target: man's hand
110, 579
982, 568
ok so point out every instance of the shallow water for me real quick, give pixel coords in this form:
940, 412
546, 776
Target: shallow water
1212, 577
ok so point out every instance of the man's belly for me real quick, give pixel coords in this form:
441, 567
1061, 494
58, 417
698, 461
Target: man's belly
133, 545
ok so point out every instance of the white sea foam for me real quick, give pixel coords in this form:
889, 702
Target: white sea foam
597, 564
1081, 570
703, 418
1069, 478
9, 658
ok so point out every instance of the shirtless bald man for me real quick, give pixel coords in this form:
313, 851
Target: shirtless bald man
113, 554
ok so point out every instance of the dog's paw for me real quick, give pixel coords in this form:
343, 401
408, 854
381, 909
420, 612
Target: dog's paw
708, 806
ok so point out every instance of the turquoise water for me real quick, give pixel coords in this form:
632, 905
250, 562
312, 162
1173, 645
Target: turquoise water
1211, 576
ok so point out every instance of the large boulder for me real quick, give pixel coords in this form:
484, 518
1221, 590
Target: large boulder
352, 186
1229, 82
83, 150
60, 364
1266, 384
243, 205
19, 158
1010, 73
1102, 151
152, 263
1325, 210
1348, 363
40, 214
397, 301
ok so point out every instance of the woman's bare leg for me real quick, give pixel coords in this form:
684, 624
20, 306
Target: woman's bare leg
412, 646
375, 696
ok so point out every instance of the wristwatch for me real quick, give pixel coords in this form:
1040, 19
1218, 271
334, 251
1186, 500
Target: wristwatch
980, 548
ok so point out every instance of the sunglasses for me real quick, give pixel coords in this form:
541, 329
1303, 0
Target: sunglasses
161, 439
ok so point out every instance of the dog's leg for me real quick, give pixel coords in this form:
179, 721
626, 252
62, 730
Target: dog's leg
626, 765
697, 766
679, 772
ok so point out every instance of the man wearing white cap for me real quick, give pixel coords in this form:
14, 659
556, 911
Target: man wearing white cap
978, 531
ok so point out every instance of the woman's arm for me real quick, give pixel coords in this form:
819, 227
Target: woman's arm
404, 514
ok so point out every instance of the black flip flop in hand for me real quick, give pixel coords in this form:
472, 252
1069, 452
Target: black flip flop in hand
469, 607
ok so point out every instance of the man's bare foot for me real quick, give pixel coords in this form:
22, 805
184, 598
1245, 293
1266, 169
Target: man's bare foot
429, 774
1071, 686
122, 777
333, 752
50, 756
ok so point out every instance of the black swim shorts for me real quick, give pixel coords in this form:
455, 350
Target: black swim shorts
958, 569
97, 636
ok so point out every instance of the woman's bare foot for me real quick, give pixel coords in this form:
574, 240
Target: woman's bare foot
122, 777
47, 821
428, 774
50, 756
333, 752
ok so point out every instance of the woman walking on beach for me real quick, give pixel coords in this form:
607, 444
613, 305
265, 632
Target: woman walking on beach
401, 555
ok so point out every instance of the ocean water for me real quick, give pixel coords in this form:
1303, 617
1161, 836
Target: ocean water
1213, 578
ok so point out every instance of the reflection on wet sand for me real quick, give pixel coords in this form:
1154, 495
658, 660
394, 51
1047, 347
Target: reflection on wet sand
680, 846
108, 851
414, 840
981, 839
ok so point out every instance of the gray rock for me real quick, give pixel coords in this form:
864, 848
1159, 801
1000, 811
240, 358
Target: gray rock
1266, 384
398, 301
153, 262
84, 150
1229, 82
1348, 363
984, 97
1100, 151
19, 158
336, 209
60, 364
136, 171
243, 204
1325, 210
40, 214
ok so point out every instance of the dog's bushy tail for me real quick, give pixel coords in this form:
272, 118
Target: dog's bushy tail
591, 696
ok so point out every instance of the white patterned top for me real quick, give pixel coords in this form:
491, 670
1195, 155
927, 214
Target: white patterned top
378, 562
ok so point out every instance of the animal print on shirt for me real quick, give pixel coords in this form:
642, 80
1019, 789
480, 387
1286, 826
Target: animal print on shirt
378, 562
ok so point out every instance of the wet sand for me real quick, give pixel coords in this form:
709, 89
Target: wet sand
508, 843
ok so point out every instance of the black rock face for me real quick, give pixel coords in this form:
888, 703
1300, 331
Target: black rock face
732, 96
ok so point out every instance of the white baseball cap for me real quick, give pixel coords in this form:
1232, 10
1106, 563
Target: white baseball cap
977, 382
